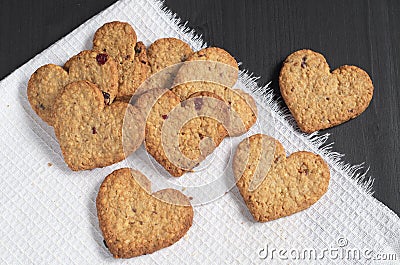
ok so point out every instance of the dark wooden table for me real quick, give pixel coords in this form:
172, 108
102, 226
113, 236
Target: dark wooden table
261, 34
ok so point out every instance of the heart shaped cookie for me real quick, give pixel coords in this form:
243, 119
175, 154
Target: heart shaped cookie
48, 82
179, 135
242, 104
135, 221
165, 57
90, 132
215, 70
119, 40
273, 185
210, 66
319, 99
227, 69
166, 52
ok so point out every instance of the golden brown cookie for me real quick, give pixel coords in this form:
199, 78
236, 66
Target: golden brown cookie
179, 135
167, 52
219, 125
242, 104
210, 66
118, 39
319, 99
214, 54
215, 70
135, 221
220, 65
273, 185
47, 82
212, 122
134, 73
90, 132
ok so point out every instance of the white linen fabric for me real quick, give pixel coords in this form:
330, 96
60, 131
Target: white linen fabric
48, 212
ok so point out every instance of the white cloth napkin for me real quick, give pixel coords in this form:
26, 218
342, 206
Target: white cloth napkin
48, 213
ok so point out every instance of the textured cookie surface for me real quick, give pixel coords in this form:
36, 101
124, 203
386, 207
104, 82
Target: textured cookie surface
90, 132
319, 99
119, 40
215, 70
244, 110
97, 68
227, 67
134, 73
47, 82
213, 66
179, 135
284, 185
166, 52
216, 54
135, 222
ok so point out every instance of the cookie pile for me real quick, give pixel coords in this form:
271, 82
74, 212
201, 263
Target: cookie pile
105, 102
85, 100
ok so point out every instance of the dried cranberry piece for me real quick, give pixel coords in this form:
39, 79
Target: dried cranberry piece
164, 116
101, 58
198, 103
94, 131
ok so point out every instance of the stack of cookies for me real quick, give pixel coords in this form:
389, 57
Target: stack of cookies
105, 102
87, 100
103, 105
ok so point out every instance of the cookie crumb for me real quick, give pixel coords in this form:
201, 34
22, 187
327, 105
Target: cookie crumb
49, 164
